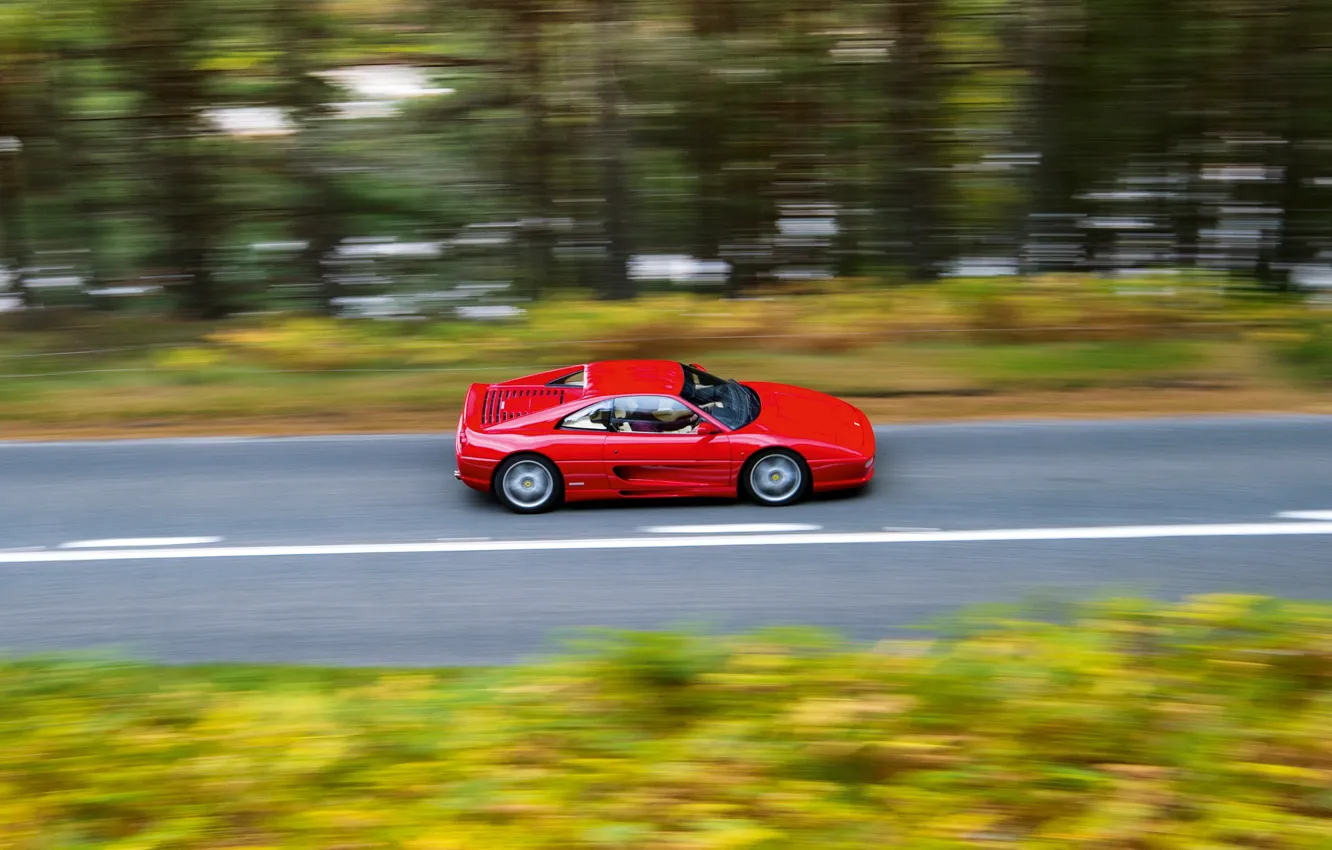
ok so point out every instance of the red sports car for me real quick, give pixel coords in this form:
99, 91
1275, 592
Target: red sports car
649, 428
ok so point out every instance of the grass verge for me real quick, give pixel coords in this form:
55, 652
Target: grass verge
1111, 724
951, 351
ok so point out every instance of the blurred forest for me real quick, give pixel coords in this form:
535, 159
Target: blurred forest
217, 156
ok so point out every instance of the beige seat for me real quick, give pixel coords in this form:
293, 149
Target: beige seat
676, 419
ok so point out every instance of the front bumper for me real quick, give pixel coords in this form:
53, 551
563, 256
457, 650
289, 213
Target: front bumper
842, 474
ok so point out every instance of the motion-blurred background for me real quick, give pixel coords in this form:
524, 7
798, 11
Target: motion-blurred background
933, 208
980, 195
242, 154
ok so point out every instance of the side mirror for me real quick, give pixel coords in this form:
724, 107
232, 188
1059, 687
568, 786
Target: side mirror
707, 429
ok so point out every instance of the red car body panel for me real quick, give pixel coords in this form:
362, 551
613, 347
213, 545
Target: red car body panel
523, 416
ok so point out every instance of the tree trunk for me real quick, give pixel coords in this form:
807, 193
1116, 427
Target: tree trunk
541, 235
616, 284
1305, 104
1052, 34
13, 231
320, 210
191, 225
914, 183
319, 222
74, 158
162, 38
705, 144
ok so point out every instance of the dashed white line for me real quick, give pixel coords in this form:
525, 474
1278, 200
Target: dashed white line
734, 528
139, 542
1000, 535
1316, 516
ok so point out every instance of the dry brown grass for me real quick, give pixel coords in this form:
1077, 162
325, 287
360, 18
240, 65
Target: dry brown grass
909, 355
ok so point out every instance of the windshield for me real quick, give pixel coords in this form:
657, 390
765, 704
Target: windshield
733, 404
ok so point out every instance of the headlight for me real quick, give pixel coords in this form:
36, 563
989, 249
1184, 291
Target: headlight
869, 463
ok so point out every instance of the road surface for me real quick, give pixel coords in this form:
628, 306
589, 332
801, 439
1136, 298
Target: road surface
364, 550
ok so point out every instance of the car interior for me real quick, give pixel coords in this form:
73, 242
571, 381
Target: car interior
653, 415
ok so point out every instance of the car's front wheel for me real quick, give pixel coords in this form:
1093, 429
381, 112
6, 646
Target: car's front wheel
776, 477
528, 484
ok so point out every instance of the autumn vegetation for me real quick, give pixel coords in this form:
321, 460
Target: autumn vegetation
1050, 345
1119, 723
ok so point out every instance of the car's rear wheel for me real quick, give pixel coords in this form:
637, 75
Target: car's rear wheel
776, 477
528, 484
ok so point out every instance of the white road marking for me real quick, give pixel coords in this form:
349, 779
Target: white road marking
908, 528
1316, 516
1001, 535
25, 549
139, 542
736, 528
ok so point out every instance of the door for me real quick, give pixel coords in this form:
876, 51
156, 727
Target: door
576, 449
659, 445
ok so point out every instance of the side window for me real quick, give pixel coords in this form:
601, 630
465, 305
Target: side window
594, 418
577, 379
653, 414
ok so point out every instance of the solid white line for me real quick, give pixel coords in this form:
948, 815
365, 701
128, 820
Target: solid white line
1316, 516
1132, 532
736, 528
139, 542
24, 549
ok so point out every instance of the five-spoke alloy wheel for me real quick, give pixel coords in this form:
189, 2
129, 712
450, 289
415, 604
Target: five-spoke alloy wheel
528, 484
776, 477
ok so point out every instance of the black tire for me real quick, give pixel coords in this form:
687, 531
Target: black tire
787, 478
518, 475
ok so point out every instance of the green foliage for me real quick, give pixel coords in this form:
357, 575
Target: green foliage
1114, 723
850, 337
932, 129
192, 365
1307, 349
837, 317
1071, 365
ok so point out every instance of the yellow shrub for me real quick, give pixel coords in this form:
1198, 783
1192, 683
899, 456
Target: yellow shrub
433, 352
833, 316
305, 344
188, 359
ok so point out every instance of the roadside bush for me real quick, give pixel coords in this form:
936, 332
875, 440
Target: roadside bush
301, 344
1307, 349
193, 365
1114, 724
836, 317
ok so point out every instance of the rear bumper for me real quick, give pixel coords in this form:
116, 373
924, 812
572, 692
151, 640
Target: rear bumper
474, 473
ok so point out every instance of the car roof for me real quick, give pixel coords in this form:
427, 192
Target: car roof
634, 377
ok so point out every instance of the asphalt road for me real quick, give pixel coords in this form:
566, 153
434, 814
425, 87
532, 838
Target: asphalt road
366, 551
